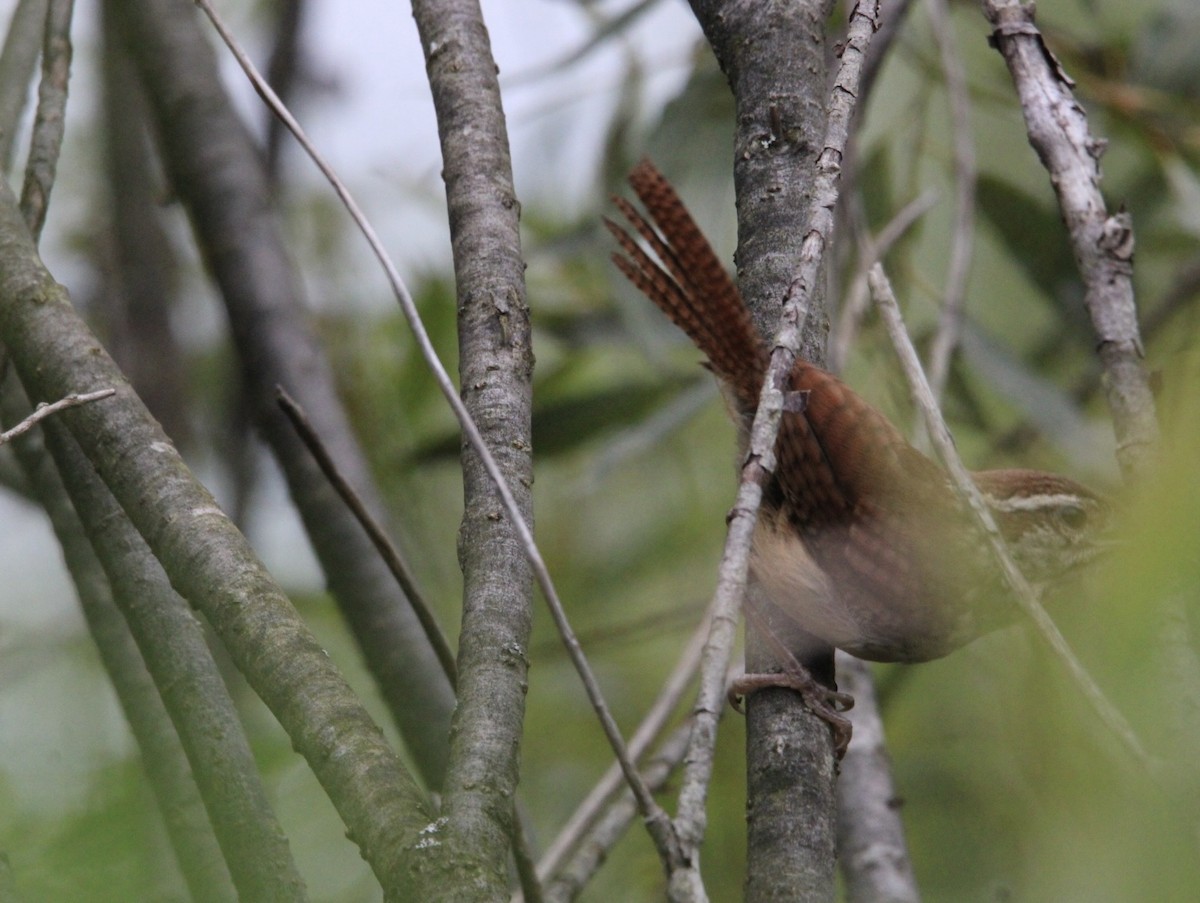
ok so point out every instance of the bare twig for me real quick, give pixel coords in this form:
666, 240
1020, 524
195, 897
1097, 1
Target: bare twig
871, 847
382, 542
1102, 243
17, 62
594, 846
657, 821
760, 459
647, 732
1026, 598
45, 409
46, 141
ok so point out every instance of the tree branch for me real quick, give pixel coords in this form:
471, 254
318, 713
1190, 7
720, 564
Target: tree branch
871, 846
786, 753
218, 174
1016, 583
163, 758
48, 123
1102, 243
210, 563
495, 375
657, 823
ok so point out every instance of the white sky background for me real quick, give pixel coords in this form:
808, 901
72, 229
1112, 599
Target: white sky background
380, 125
378, 130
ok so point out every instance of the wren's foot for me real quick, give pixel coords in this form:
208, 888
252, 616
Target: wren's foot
823, 702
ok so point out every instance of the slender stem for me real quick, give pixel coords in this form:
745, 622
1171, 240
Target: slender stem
656, 819
45, 409
760, 459
383, 543
872, 850
45, 144
943, 443
652, 724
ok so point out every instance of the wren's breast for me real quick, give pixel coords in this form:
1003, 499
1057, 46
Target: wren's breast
849, 606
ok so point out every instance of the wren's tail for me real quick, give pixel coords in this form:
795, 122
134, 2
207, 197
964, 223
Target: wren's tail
689, 283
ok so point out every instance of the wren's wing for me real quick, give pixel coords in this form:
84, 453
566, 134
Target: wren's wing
691, 285
875, 514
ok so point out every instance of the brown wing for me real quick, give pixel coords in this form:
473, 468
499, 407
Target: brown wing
878, 518
842, 464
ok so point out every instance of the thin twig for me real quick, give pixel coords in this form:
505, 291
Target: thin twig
18, 59
594, 846
657, 821
1102, 243
45, 144
45, 409
872, 851
387, 549
586, 813
943, 443
760, 459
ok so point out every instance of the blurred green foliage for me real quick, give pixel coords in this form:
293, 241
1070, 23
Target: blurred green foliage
1012, 791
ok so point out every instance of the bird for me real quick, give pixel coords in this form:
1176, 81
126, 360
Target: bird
860, 538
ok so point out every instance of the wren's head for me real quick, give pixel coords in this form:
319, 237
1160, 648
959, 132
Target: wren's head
1052, 524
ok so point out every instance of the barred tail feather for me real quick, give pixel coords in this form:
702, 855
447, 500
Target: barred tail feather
687, 281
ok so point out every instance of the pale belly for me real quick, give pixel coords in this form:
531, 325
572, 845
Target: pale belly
876, 629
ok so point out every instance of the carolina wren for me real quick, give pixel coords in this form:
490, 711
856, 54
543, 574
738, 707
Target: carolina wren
860, 538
